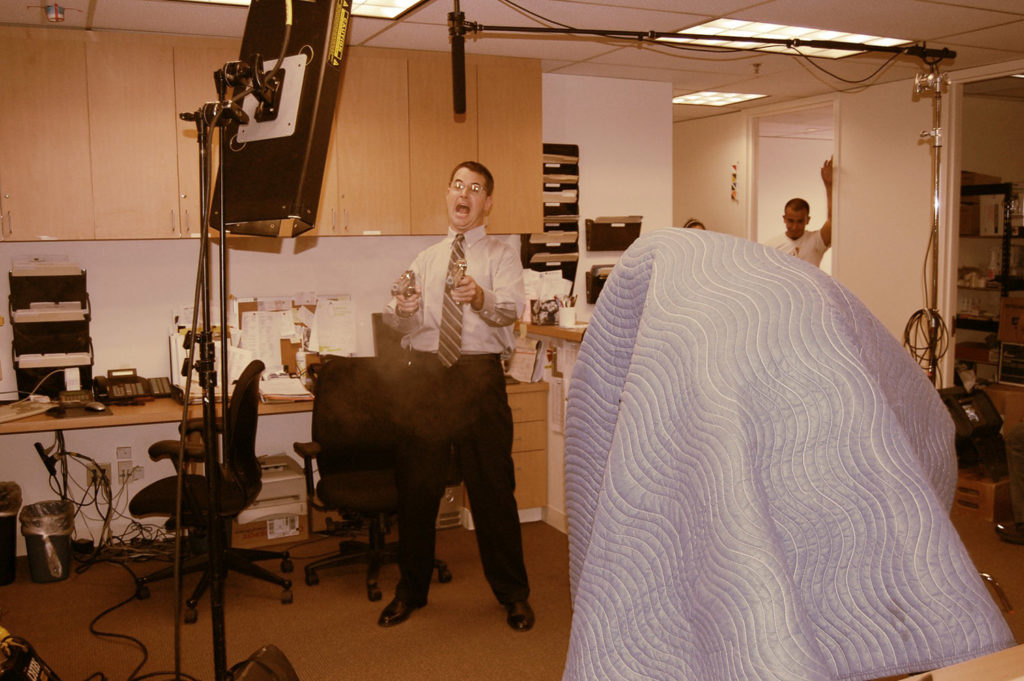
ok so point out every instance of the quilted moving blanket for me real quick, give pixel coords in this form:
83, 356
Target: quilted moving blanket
758, 480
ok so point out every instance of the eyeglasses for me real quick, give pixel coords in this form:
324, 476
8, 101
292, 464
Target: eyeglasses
458, 185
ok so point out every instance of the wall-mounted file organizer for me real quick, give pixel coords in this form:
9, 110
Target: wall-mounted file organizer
596, 278
50, 314
562, 181
613, 233
557, 247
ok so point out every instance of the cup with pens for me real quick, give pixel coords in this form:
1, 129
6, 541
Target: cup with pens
567, 312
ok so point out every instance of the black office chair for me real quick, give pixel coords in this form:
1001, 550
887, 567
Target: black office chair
355, 437
240, 484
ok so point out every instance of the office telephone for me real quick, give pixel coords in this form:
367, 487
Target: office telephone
124, 385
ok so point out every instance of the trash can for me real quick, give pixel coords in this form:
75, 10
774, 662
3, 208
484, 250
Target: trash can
47, 527
10, 504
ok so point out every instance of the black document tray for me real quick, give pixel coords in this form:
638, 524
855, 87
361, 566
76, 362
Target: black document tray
612, 234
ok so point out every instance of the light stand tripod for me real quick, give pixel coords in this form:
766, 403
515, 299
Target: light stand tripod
291, 119
206, 119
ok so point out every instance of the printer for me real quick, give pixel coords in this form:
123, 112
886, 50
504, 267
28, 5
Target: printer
283, 492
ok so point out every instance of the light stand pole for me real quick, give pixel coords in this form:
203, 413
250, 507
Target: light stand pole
208, 118
933, 82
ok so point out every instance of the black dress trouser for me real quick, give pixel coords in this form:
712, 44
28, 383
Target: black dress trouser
465, 405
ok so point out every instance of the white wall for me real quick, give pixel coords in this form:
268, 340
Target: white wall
703, 153
883, 211
882, 206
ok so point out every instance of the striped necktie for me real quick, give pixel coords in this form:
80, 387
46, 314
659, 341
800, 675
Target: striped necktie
449, 345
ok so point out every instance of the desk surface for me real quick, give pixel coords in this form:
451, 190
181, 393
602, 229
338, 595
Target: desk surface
160, 410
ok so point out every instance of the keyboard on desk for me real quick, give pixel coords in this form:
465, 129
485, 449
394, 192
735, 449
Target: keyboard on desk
23, 409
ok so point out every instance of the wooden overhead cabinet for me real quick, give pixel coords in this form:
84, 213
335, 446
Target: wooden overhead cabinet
371, 140
45, 174
132, 114
195, 62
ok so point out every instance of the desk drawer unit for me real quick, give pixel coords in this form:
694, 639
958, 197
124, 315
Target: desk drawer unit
529, 403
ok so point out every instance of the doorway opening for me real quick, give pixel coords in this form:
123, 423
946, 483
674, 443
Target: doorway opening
790, 149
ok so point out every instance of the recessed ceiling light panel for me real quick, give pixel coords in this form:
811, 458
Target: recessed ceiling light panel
722, 29
379, 9
714, 98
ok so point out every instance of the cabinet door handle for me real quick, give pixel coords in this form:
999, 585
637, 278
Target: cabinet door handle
188, 227
10, 224
173, 221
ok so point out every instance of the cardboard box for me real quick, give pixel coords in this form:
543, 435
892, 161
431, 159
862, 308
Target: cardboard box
977, 493
1011, 320
970, 216
969, 177
278, 514
974, 351
1008, 401
278, 530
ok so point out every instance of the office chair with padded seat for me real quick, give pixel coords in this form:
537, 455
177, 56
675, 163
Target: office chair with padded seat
355, 439
240, 484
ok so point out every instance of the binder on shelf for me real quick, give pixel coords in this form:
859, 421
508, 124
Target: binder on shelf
596, 278
612, 233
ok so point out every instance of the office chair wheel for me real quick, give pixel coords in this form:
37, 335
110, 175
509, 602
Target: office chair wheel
444, 575
373, 592
286, 564
191, 615
141, 592
287, 596
312, 578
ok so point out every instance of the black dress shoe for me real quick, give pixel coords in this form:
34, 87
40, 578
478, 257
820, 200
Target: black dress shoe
1011, 532
396, 612
520, 615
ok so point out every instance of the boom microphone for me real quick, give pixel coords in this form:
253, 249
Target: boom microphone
457, 31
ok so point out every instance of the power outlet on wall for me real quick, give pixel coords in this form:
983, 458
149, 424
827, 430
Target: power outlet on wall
124, 470
93, 473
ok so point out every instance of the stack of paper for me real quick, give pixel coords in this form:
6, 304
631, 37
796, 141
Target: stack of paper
276, 388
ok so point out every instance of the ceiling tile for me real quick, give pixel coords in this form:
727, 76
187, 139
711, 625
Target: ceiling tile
169, 17
907, 19
1009, 36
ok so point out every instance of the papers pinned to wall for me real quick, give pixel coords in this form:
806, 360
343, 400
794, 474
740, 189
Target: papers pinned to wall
334, 327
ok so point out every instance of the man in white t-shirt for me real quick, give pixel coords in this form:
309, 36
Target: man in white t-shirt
798, 241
